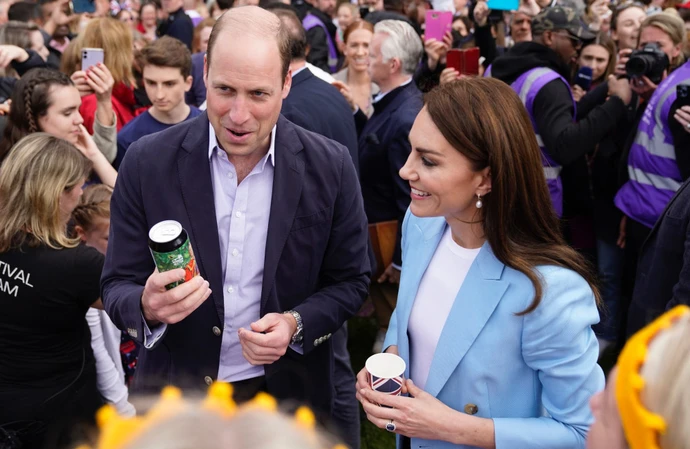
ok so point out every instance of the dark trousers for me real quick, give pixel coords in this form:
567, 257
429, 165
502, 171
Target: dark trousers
55, 417
635, 235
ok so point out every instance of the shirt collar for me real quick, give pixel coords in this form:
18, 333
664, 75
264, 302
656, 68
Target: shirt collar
380, 95
213, 145
299, 70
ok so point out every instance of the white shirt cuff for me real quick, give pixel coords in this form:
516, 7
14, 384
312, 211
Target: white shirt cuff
152, 337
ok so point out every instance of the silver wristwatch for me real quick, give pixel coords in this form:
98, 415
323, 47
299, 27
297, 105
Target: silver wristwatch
298, 335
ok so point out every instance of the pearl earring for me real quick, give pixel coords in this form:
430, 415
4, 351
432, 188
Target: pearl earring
479, 203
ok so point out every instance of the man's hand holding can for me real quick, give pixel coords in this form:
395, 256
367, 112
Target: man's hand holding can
161, 305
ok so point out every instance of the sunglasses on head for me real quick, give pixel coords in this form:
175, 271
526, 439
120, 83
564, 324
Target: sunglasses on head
629, 4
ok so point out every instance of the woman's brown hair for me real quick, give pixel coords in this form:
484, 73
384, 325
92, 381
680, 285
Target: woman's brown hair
484, 119
358, 24
196, 41
603, 40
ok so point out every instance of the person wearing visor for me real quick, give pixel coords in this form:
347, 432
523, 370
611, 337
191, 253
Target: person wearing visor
539, 71
644, 405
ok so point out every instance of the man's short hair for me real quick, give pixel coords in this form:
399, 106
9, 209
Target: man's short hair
24, 12
168, 52
258, 27
298, 37
402, 42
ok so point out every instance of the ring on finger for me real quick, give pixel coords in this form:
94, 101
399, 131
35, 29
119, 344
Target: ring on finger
390, 426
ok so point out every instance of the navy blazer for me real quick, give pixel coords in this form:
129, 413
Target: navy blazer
317, 106
383, 150
663, 269
316, 254
196, 95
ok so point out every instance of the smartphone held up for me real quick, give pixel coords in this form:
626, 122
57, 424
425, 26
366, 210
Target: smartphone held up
91, 57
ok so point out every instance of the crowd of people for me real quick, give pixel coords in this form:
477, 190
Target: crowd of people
509, 222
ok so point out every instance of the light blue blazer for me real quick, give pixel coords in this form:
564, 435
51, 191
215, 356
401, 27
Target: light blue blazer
532, 374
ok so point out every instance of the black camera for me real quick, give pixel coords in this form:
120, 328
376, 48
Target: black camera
649, 61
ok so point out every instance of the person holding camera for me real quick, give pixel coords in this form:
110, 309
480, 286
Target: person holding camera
656, 167
658, 161
539, 72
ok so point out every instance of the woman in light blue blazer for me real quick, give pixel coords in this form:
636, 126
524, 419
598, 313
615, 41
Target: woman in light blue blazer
495, 311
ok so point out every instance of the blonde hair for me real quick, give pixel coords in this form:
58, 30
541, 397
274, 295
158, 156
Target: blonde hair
196, 427
672, 25
115, 38
94, 203
36, 172
667, 382
70, 61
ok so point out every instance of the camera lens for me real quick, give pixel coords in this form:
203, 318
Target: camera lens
637, 66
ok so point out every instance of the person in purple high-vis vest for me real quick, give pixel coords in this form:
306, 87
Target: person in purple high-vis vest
321, 33
539, 72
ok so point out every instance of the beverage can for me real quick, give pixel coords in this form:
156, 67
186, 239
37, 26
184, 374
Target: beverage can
171, 249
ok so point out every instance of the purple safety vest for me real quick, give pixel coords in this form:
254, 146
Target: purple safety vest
311, 21
527, 87
652, 168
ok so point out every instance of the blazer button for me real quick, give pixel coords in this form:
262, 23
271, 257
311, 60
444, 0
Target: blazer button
316, 342
216, 331
471, 409
208, 380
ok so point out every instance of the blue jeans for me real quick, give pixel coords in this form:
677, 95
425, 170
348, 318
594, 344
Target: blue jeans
610, 263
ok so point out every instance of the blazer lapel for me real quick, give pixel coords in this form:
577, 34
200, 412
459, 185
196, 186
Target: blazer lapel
287, 190
424, 249
479, 295
194, 172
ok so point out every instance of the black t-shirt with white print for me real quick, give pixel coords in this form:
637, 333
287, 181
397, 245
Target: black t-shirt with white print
44, 296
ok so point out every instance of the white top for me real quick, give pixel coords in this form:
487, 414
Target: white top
435, 297
105, 342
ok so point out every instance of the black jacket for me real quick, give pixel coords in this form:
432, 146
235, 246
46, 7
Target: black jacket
317, 40
565, 139
663, 270
383, 150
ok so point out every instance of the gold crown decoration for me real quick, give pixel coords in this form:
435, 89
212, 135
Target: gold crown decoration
116, 432
642, 427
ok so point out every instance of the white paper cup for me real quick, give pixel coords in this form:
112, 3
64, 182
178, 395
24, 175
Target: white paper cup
386, 373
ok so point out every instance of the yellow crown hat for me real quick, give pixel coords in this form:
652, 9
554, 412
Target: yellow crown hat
642, 427
118, 431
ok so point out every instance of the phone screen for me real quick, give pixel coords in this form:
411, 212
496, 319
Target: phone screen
683, 94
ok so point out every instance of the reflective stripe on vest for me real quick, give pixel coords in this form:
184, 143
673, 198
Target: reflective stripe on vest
310, 21
527, 86
652, 168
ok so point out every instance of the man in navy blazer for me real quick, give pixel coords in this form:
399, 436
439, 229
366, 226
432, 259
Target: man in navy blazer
313, 103
317, 106
260, 316
384, 145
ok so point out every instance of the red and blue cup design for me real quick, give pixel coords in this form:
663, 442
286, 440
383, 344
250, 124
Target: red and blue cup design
386, 373
386, 385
